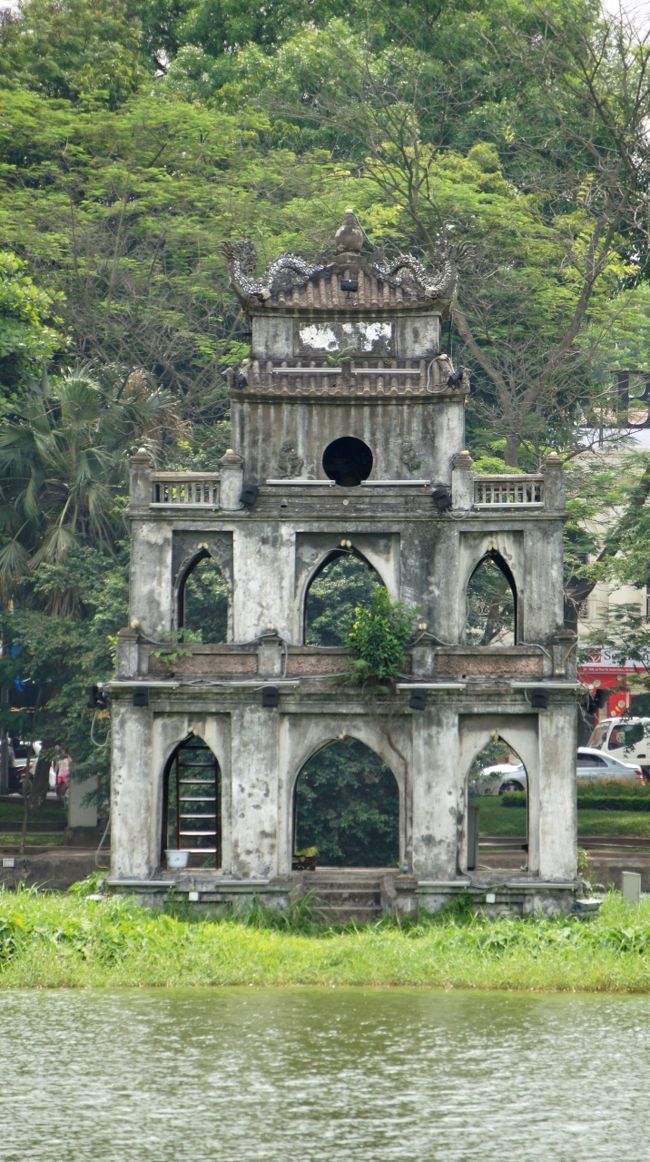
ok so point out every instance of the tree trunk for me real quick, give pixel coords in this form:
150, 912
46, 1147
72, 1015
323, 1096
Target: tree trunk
511, 453
35, 790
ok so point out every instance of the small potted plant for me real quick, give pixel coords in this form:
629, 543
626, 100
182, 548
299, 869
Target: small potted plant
305, 860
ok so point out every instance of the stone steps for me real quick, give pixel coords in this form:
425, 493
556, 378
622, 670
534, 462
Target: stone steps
345, 897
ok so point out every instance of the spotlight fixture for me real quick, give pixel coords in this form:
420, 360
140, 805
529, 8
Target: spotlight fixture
96, 698
441, 496
249, 495
418, 700
270, 697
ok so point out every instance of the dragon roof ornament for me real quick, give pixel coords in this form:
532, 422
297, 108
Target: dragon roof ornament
289, 271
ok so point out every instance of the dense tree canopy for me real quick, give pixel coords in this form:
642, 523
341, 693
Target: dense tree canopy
137, 135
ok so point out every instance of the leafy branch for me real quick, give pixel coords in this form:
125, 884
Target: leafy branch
378, 638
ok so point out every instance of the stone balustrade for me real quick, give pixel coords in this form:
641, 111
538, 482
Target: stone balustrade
498, 491
206, 489
189, 489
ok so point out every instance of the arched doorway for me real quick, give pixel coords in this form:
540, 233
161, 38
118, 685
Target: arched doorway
491, 603
498, 796
346, 805
192, 803
203, 600
343, 581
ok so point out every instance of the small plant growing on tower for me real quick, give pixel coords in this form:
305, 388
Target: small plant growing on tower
174, 646
378, 638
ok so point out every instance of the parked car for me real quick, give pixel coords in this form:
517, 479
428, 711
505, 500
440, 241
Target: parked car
628, 738
590, 764
500, 777
598, 764
24, 755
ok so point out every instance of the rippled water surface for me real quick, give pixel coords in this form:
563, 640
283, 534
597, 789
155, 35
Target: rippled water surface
237, 1075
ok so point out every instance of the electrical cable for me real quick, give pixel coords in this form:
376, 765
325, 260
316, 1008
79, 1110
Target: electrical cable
104, 867
99, 745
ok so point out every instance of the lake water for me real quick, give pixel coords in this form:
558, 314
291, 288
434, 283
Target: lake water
351, 1075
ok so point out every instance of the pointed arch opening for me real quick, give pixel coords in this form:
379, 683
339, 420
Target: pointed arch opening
203, 600
192, 803
491, 618
347, 806
498, 798
343, 581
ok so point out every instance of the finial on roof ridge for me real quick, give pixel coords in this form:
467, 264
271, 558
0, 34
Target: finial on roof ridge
349, 236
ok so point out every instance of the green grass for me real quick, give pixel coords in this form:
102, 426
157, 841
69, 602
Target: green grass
52, 811
56, 940
45, 829
11, 840
623, 823
497, 819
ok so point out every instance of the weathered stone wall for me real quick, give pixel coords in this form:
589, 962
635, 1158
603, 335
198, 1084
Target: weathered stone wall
348, 349
406, 444
262, 751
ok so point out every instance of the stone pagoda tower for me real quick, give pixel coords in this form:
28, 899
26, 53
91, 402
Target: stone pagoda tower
348, 430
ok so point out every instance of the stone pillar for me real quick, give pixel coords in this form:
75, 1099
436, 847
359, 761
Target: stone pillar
462, 481
563, 649
140, 478
557, 820
127, 662
135, 814
436, 806
255, 822
269, 655
554, 498
232, 478
423, 656
152, 594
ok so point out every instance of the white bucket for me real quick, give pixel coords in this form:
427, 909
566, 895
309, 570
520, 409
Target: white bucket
177, 858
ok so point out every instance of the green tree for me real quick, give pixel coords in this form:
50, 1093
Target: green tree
63, 468
59, 656
205, 602
89, 52
347, 806
125, 213
345, 584
625, 635
490, 607
609, 529
28, 325
378, 637
524, 145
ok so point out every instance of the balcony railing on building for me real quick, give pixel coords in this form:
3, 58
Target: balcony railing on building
497, 491
202, 489
186, 488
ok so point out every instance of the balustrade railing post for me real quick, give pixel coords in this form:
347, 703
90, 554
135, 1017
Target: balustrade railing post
554, 492
462, 481
141, 468
232, 480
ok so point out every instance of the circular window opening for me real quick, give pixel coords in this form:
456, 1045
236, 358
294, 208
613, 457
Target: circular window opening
347, 461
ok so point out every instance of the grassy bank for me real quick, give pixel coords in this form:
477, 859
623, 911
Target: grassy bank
73, 941
497, 818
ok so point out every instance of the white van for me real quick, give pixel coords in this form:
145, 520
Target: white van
626, 738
